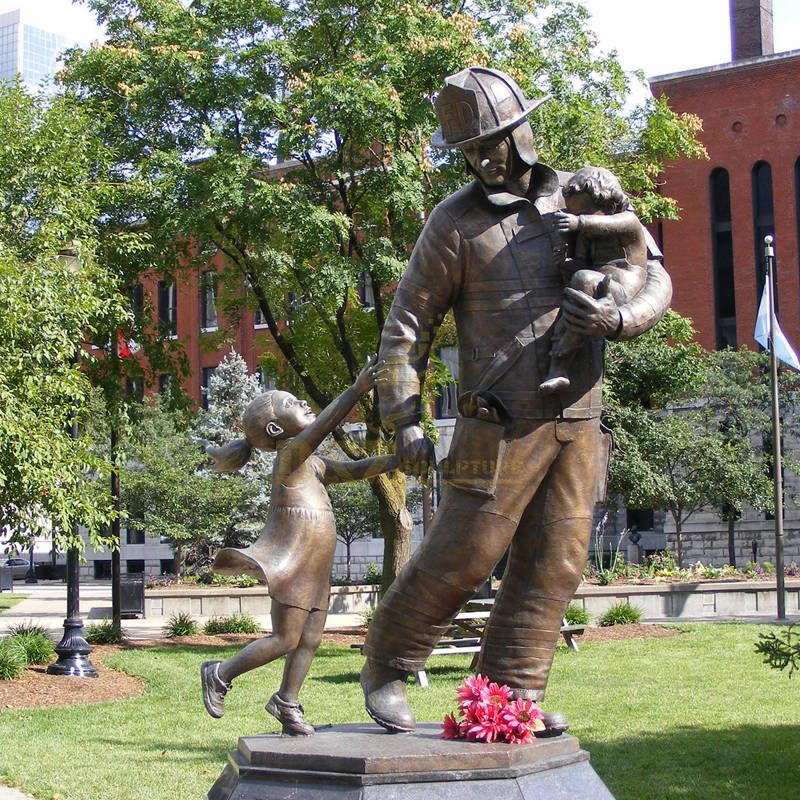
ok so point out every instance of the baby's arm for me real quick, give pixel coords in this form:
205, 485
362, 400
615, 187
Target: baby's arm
345, 471
625, 225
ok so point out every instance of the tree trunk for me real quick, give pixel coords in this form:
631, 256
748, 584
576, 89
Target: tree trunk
347, 545
396, 524
731, 542
178, 559
679, 542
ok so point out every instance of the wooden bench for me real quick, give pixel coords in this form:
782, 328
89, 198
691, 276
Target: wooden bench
466, 632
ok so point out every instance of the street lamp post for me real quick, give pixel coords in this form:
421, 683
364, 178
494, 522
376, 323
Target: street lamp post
73, 649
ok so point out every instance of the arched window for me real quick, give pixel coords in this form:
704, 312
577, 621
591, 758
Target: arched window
722, 256
797, 198
763, 220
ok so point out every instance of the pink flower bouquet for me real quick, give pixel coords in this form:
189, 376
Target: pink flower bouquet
487, 713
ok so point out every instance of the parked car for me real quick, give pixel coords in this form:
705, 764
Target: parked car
19, 567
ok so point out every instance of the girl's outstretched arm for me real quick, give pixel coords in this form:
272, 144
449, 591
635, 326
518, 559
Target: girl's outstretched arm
307, 441
344, 471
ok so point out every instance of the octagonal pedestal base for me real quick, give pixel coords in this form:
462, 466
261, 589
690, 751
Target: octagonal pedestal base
362, 762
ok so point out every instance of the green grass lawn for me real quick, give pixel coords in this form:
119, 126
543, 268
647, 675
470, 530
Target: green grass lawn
9, 600
691, 716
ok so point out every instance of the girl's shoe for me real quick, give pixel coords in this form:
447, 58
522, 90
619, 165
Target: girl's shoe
290, 715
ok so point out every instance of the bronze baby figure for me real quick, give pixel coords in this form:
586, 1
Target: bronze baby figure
293, 554
608, 255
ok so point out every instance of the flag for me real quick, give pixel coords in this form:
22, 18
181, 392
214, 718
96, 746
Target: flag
126, 347
783, 350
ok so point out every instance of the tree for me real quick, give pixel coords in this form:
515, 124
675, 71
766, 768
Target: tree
52, 190
198, 98
675, 417
230, 390
167, 491
356, 512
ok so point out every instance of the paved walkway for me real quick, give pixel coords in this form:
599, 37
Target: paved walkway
46, 605
7, 793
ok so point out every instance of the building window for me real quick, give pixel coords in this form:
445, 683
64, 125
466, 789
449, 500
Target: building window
102, 570
134, 536
763, 222
208, 300
643, 519
366, 293
167, 566
722, 259
134, 566
136, 297
164, 385
797, 197
446, 402
265, 381
260, 319
134, 389
168, 308
205, 382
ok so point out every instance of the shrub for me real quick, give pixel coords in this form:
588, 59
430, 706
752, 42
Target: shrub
780, 650
620, 614
769, 568
660, 565
35, 643
181, 624
373, 574
576, 615
220, 580
12, 659
368, 616
243, 581
238, 623
26, 629
103, 633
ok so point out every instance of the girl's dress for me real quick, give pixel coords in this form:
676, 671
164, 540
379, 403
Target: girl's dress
293, 554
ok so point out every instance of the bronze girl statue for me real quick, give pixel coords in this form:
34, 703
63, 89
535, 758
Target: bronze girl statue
294, 553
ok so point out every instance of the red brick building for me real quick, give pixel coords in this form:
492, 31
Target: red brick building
748, 188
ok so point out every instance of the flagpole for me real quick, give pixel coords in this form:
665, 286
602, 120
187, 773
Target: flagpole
777, 461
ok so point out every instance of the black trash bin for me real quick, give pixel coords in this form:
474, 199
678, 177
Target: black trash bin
131, 594
6, 579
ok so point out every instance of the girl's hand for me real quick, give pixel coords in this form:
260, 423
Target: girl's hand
366, 378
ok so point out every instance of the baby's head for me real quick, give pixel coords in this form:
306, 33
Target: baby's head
271, 417
275, 415
593, 189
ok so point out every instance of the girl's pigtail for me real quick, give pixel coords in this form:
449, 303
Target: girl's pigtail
232, 456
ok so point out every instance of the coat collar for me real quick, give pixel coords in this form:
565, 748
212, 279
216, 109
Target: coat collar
544, 183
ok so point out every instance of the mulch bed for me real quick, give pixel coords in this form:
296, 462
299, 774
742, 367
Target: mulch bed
37, 689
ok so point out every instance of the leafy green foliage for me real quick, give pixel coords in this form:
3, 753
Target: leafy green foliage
356, 511
12, 658
238, 623
239, 581
780, 650
167, 491
36, 644
372, 574
576, 615
620, 614
105, 632
181, 624
682, 420
198, 98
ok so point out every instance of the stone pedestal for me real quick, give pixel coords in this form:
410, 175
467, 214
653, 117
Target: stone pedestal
362, 762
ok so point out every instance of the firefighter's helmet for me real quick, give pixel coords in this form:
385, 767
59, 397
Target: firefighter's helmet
476, 103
